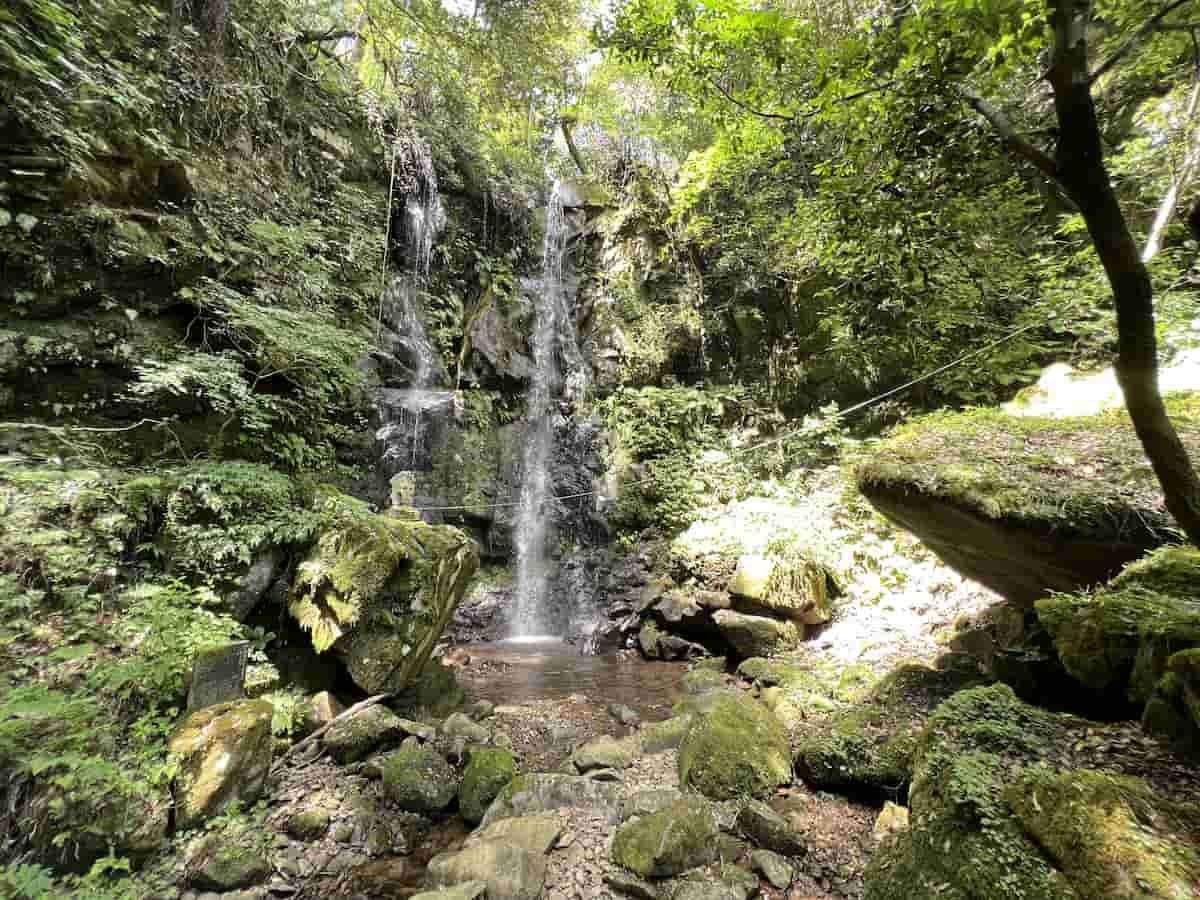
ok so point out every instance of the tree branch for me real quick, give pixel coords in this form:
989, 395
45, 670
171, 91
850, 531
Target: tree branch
750, 109
1148, 27
1018, 143
315, 37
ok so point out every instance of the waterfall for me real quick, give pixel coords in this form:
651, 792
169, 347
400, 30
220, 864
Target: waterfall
403, 411
553, 334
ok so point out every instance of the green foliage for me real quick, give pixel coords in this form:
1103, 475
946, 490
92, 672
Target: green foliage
219, 515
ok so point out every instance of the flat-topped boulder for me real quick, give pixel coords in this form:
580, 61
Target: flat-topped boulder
1024, 504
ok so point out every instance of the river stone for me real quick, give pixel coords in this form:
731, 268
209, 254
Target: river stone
643, 803
460, 725
674, 839
309, 823
892, 819
769, 829
701, 680
735, 749
355, 737
419, 780
324, 708
773, 867
488, 770
226, 862
603, 753
536, 834
627, 883
469, 890
541, 792
224, 756
510, 872
665, 735
726, 883
794, 588
756, 635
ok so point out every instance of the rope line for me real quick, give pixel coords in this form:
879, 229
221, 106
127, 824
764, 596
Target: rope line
753, 448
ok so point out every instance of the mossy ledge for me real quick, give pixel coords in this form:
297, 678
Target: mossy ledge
1027, 505
1009, 800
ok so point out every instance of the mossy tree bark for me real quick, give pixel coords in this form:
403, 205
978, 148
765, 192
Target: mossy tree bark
1078, 167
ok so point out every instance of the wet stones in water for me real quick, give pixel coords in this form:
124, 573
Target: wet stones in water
674, 839
419, 780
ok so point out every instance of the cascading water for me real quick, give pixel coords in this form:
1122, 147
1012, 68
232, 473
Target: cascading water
554, 327
403, 411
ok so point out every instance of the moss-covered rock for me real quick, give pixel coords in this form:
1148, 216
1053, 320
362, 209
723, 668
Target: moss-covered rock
751, 635
381, 590
488, 770
700, 680
1117, 639
735, 748
419, 780
605, 753
355, 737
1011, 800
665, 735
228, 861
724, 882
668, 842
787, 584
1026, 505
871, 744
224, 756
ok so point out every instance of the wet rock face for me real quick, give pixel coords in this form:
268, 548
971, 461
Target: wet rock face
225, 754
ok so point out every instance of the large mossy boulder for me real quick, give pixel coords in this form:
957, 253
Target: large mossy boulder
871, 743
752, 635
665, 843
788, 585
734, 747
1009, 800
224, 755
419, 780
380, 590
1117, 640
1026, 505
488, 770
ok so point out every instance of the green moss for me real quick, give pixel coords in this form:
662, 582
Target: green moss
1110, 836
489, 770
872, 744
1081, 476
734, 748
1118, 638
419, 780
668, 842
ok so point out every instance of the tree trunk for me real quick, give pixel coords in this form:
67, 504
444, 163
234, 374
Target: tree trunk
1082, 173
1166, 209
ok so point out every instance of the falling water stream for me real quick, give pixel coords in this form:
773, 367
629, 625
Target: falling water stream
403, 411
553, 324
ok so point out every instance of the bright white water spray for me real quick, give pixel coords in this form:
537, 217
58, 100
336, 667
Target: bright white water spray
553, 326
